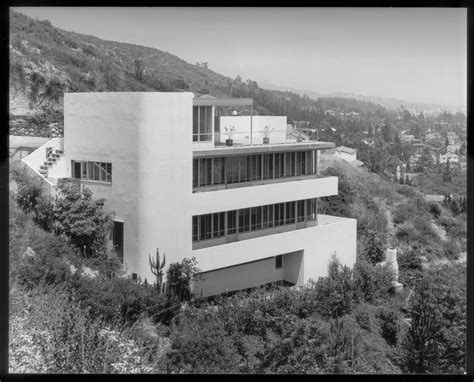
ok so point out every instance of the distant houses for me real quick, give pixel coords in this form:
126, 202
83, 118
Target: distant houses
347, 154
453, 158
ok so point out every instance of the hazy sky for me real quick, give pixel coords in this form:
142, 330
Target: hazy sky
412, 54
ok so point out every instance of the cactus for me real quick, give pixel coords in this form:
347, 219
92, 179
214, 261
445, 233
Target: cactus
157, 269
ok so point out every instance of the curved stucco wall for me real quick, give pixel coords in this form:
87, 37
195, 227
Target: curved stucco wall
147, 137
164, 178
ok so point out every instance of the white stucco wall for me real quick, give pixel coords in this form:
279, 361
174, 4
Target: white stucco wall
147, 137
230, 199
317, 243
242, 128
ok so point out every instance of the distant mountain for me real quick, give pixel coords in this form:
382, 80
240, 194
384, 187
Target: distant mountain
46, 62
389, 103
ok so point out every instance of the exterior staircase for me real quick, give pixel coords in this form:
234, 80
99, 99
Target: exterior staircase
52, 156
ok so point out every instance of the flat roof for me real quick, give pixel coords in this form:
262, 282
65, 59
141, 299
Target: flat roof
260, 148
222, 101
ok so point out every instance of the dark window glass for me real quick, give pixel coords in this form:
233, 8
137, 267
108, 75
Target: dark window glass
300, 210
76, 170
278, 165
203, 173
208, 171
311, 209
195, 123
231, 216
256, 218
195, 228
218, 171
96, 171
205, 227
243, 169
109, 172
244, 220
278, 262
290, 212
268, 216
235, 170
195, 172
309, 162
84, 171
267, 166
299, 163
221, 231
279, 214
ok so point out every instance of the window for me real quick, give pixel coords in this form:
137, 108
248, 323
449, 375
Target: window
231, 220
279, 165
311, 209
195, 172
279, 214
278, 262
95, 171
202, 123
300, 210
244, 220
267, 166
290, 212
219, 168
195, 228
205, 227
256, 218
268, 216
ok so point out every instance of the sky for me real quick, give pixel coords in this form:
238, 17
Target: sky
415, 54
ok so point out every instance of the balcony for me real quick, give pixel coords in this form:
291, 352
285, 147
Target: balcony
259, 182
277, 192
238, 236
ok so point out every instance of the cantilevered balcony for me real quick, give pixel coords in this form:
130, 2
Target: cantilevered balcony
244, 166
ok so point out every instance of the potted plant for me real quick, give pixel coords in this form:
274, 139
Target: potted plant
266, 135
229, 132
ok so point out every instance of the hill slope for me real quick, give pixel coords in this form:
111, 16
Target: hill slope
46, 61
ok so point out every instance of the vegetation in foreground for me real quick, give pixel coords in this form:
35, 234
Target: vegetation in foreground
73, 311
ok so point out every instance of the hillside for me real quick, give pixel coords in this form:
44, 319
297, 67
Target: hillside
46, 61
388, 103
67, 321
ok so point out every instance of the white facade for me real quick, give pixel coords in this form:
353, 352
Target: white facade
146, 137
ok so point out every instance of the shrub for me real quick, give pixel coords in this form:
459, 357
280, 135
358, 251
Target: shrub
47, 265
118, 299
28, 189
434, 209
179, 277
335, 292
81, 219
389, 325
200, 344
371, 247
54, 334
406, 191
372, 282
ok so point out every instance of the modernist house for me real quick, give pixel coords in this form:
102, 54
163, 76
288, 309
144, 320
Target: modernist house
247, 212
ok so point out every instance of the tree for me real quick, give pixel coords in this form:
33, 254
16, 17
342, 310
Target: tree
179, 277
81, 219
447, 178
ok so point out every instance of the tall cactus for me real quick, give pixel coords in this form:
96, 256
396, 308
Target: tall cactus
157, 269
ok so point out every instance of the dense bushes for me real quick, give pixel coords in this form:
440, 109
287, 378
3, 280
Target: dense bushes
81, 219
54, 334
